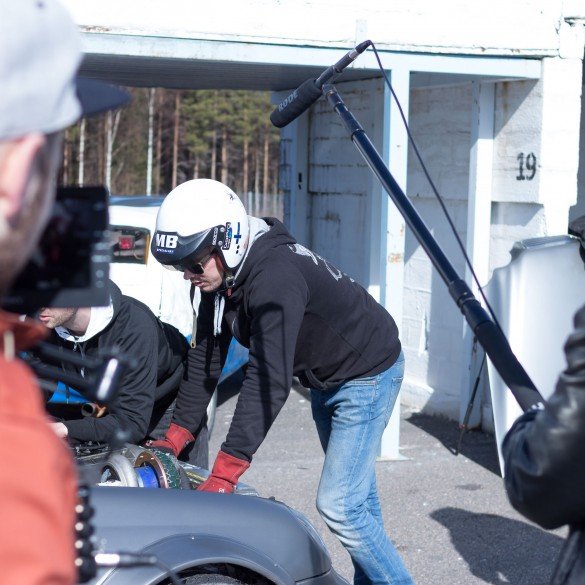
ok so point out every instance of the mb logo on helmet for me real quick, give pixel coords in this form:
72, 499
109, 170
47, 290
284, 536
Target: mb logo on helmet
166, 242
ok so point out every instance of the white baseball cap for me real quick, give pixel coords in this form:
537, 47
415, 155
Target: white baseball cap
40, 54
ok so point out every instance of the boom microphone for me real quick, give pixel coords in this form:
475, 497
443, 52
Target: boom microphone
310, 91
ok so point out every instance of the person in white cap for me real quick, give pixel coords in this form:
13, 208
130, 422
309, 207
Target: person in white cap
40, 96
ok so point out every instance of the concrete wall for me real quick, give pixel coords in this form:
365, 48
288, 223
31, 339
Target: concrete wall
440, 122
537, 125
529, 27
341, 185
534, 185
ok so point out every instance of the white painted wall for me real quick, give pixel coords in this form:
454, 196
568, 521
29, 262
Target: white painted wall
531, 117
534, 121
453, 26
338, 207
538, 119
440, 122
341, 185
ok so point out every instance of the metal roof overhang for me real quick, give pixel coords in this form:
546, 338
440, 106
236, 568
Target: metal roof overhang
149, 61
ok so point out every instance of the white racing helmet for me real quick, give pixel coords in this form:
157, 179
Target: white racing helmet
197, 216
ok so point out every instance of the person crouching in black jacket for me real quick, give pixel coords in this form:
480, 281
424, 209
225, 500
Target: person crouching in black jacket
544, 455
149, 385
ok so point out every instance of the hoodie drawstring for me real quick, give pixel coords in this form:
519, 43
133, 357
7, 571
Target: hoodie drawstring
219, 306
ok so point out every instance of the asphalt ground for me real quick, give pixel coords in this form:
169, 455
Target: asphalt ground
447, 514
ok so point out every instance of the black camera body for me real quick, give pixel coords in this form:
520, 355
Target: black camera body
70, 265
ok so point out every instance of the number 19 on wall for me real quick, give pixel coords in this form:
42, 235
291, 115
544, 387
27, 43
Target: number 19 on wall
526, 166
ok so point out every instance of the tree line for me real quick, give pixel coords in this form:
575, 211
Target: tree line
165, 137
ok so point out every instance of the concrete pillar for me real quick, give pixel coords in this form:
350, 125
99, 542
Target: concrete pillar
478, 231
395, 153
559, 146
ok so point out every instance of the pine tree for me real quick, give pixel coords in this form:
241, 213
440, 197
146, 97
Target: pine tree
221, 134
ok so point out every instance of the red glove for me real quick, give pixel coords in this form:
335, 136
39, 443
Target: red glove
224, 475
176, 439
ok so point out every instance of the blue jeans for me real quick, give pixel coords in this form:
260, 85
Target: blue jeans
350, 421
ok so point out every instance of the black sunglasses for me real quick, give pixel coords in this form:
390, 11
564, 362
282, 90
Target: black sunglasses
190, 265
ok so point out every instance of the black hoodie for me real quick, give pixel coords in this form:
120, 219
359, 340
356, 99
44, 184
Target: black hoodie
298, 315
157, 350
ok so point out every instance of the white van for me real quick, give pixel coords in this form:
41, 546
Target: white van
137, 272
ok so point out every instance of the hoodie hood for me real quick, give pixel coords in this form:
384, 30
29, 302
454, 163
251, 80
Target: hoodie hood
258, 227
265, 234
277, 235
100, 318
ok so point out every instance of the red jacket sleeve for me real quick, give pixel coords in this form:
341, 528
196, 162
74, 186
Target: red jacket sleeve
37, 499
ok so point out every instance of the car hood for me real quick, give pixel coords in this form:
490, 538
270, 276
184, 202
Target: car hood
134, 519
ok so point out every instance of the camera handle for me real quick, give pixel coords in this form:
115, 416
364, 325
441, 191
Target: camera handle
84, 540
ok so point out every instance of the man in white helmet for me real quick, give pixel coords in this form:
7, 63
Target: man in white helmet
39, 97
298, 315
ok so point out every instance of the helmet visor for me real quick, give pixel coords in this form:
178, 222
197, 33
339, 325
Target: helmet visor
175, 252
195, 263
